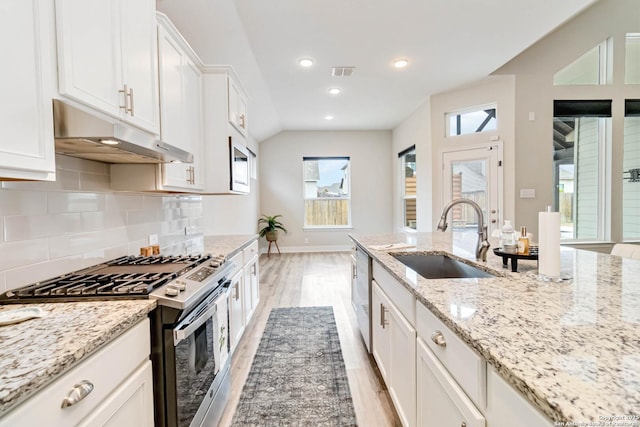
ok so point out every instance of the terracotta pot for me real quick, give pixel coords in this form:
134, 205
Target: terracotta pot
271, 236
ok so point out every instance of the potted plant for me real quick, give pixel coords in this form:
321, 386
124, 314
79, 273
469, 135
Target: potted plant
270, 229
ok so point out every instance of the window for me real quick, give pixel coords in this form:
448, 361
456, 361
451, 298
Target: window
408, 168
253, 165
592, 68
476, 120
581, 134
327, 192
632, 59
631, 174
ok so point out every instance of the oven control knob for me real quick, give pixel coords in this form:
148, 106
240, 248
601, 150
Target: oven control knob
171, 291
180, 285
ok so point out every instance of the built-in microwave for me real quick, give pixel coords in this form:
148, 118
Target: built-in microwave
240, 170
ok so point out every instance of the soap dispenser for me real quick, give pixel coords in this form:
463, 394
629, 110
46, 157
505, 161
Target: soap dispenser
523, 242
507, 237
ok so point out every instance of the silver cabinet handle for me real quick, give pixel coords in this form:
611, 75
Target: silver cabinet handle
383, 312
77, 393
131, 102
438, 338
463, 424
125, 94
237, 289
355, 271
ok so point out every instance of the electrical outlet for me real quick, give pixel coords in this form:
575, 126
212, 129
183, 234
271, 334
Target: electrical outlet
153, 239
189, 230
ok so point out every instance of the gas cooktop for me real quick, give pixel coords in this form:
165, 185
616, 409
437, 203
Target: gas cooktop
124, 277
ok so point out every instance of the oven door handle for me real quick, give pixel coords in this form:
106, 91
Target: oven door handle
183, 330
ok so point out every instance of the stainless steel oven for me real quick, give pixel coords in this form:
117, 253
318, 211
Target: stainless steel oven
199, 358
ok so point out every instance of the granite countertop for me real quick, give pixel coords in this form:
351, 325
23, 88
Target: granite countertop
572, 348
37, 351
227, 246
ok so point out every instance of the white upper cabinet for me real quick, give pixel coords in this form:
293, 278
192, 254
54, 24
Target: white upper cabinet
107, 57
180, 81
237, 106
26, 82
221, 135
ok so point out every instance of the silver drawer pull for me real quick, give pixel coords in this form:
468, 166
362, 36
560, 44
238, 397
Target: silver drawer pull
438, 338
77, 393
463, 424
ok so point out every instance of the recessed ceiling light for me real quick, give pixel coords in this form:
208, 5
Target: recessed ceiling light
334, 91
305, 62
328, 117
400, 63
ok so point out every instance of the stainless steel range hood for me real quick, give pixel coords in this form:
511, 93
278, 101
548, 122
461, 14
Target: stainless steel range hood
87, 136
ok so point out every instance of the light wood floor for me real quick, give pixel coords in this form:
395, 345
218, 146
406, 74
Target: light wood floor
315, 279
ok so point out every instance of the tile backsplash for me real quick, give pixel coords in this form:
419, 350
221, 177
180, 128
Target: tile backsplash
51, 228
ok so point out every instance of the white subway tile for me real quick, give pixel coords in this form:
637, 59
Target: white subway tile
73, 244
65, 180
23, 276
81, 165
22, 227
23, 202
93, 182
64, 202
92, 221
142, 216
26, 252
124, 202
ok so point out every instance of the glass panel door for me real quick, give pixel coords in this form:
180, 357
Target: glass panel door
473, 174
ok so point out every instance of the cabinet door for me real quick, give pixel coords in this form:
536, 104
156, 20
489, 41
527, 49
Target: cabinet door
237, 107
188, 175
440, 401
26, 116
170, 60
89, 65
130, 405
381, 331
140, 63
236, 313
252, 291
402, 366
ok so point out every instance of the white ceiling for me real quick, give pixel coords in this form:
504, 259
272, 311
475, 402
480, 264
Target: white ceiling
448, 43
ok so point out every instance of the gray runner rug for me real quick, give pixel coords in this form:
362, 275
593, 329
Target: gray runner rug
298, 377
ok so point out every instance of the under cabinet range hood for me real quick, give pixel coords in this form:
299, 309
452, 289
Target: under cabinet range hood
87, 136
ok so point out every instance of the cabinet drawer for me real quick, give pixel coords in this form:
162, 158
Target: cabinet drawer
238, 262
465, 365
250, 251
401, 297
106, 370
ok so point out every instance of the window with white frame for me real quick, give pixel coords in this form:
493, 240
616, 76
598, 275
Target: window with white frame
632, 59
473, 120
407, 160
327, 192
581, 137
592, 68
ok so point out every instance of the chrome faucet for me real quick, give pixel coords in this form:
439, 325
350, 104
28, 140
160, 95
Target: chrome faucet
483, 244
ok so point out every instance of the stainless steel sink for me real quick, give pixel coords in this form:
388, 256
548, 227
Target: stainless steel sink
435, 266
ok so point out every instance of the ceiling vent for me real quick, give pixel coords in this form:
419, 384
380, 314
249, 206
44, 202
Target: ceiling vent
342, 71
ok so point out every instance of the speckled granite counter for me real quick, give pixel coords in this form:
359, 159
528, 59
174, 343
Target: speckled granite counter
227, 246
37, 351
572, 348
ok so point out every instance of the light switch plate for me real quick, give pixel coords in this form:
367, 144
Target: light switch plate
527, 193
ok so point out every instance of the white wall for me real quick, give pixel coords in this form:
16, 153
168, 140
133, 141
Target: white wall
51, 228
415, 130
281, 186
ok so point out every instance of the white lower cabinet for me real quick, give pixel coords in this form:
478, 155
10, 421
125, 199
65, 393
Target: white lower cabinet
119, 382
251, 288
394, 349
506, 407
441, 402
236, 309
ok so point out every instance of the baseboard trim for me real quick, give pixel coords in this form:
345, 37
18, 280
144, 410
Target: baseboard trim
301, 249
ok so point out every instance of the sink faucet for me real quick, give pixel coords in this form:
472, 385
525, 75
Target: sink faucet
483, 244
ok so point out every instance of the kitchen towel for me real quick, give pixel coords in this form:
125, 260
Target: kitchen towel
549, 244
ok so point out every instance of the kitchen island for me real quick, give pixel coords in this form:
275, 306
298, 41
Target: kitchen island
571, 348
